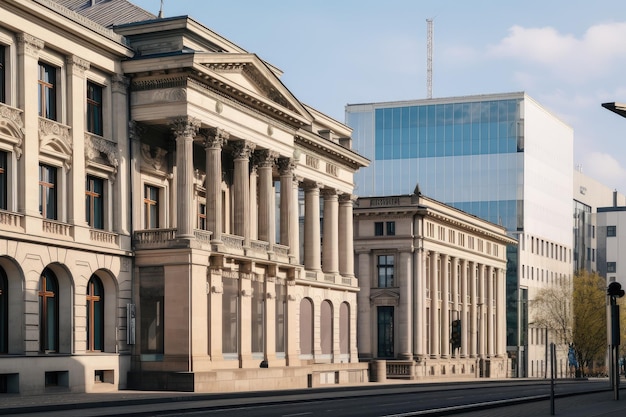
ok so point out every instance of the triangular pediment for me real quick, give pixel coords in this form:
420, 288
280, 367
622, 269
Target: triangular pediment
384, 296
248, 78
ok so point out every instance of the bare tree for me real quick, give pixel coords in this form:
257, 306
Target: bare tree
589, 335
552, 310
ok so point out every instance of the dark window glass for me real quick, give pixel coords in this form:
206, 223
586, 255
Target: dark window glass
611, 231
391, 228
95, 314
3, 181
3, 81
378, 229
48, 312
385, 271
202, 216
4, 312
47, 91
47, 191
151, 207
94, 108
151, 304
611, 267
94, 202
385, 332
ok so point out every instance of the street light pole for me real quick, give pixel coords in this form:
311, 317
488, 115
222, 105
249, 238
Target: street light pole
614, 291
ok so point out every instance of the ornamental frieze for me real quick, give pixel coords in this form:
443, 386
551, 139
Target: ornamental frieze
154, 158
95, 146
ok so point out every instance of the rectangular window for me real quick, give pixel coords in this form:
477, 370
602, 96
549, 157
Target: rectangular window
230, 316
152, 318
47, 91
47, 191
202, 216
94, 108
151, 207
3, 73
378, 229
611, 267
94, 204
3, 181
611, 231
385, 271
391, 228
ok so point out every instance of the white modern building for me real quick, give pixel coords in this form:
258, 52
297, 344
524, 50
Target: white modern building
501, 157
150, 174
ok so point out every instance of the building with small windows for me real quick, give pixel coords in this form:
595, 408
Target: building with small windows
152, 236
432, 289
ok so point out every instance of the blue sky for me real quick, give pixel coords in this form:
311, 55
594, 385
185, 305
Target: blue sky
570, 56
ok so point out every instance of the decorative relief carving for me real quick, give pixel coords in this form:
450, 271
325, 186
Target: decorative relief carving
332, 169
215, 137
94, 146
312, 161
185, 126
135, 130
77, 65
119, 83
29, 45
266, 158
169, 95
242, 149
286, 166
56, 136
153, 158
160, 84
219, 107
12, 124
270, 130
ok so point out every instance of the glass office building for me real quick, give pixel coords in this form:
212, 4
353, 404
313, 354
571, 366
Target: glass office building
501, 157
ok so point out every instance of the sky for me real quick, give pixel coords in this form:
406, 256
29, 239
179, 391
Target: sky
568, 55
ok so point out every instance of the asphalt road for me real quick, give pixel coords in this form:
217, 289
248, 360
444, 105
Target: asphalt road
518, 398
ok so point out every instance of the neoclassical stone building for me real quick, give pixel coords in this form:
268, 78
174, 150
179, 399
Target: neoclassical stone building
432, 279
163, 198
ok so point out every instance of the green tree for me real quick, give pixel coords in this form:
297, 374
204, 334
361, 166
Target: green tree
589, 302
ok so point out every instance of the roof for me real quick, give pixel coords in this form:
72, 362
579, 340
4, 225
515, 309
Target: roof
108, 13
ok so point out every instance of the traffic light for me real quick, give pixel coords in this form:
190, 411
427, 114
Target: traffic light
615, 290
455, 336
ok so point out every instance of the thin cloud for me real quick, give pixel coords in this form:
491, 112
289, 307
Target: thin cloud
604, 168
576, 60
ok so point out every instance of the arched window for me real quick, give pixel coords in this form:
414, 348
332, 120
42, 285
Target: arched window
4, 312
306, 327
95, 314
344, 329
48, 312
326, 328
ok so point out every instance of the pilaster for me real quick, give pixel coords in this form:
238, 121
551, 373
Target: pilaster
242, 150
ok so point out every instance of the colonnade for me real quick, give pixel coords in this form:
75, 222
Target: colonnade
254, 219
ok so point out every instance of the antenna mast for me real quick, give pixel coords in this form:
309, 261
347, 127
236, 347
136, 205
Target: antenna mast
429, 58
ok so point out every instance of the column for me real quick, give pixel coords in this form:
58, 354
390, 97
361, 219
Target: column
346, 235
405, 322
242, 150
254, 201
445, 306
285, 169
454, 293
215, 139
366, 316
463, 308
481, 311
473, 349
121, 214
267, 227
76, 94
312, 245
28, 48
501, 312
490, 312
294, 221
420, 257
185, 129
330, 248
434, 305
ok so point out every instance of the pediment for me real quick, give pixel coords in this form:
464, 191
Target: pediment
384, 297
248, 78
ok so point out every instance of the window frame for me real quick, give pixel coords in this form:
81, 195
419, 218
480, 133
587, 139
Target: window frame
390, 228
387, 280
611, 231
4, 50
94, 114
379, 228
45, 310
47, 90
95, 324
4, 312
149, 203
52, 187
4, 181
611, 267
92, 198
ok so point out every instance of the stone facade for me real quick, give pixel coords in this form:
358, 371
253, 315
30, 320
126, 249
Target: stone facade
426, 269
167, 241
